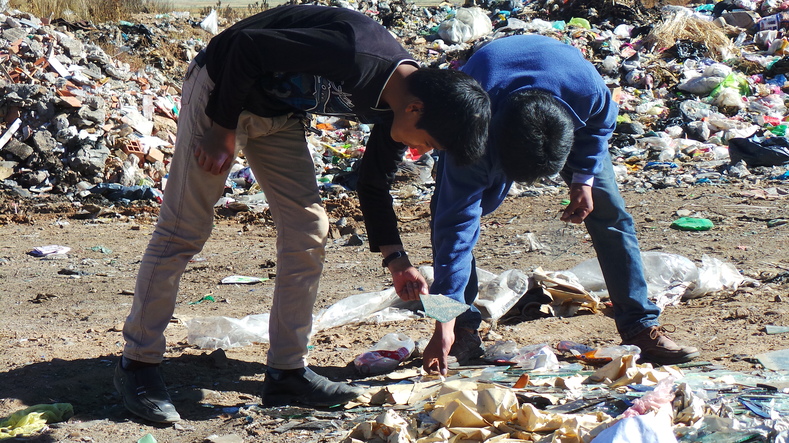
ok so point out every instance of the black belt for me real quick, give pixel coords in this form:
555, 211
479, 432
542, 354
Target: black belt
200, 58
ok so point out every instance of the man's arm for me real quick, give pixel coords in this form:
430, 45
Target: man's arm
462, 195
586, 157
376, 175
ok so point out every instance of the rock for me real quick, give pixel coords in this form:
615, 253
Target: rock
44, 141
14, 34
17, 150
89, 160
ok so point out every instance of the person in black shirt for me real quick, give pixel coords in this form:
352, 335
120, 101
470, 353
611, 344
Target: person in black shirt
251, 90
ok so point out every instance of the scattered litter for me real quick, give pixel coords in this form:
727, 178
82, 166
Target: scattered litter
692, 224
386, 355
202, 299
28, 421
773, 329
147, 438
43, 251
242, 280
775, 360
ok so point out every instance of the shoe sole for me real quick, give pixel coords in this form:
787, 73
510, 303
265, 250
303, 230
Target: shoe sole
670, 361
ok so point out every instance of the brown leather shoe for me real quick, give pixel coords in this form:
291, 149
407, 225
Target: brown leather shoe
657, 347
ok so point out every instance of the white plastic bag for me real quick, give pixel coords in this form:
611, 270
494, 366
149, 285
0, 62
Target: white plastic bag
714, 275
226, 332
211, 23
467, 25
500, 294
355, 308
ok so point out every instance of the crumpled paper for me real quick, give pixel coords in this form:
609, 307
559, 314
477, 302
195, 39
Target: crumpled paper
388, 427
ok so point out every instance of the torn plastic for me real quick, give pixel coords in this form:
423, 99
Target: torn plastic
386, 355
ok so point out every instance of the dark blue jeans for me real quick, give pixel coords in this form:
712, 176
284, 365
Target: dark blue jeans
614, 238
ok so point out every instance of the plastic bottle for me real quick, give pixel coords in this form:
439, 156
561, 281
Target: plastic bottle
384, 357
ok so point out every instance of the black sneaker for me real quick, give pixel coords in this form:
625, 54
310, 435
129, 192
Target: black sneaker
467, 346
303, 386
144, 393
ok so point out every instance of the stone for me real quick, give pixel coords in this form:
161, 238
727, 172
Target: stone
43, 141
17, 150
89, 160
14, 34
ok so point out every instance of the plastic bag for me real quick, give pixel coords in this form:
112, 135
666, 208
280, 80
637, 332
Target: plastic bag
663, 272
714, 276
386, 355
500, 294
226, 332
468, 24
758, 151
354, 309
539, 356
211, 23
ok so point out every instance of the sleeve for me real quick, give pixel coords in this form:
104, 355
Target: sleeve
376, 175
251, 52
591, 142
456, 224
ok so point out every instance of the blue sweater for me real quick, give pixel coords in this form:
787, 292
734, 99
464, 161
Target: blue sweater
464, 194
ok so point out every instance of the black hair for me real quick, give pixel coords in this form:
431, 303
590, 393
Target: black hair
456, 111
533, 133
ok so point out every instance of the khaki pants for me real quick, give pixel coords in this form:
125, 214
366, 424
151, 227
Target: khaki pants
277, 152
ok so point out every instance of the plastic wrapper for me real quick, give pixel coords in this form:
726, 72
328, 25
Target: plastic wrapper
467, 25
225, 332
500, 294
386, 355
211, 23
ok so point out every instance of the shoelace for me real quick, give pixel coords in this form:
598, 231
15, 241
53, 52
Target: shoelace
662, 330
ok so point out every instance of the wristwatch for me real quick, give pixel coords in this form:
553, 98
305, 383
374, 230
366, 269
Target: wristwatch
392, 257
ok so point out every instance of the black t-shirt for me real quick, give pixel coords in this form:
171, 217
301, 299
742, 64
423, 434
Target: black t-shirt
322, 60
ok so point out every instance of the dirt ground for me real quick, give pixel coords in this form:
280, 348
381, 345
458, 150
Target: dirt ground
62, 319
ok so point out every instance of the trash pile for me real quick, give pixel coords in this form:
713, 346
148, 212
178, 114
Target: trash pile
700, 89
617, 401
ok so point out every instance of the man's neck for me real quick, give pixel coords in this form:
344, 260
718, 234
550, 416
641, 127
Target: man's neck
395, 93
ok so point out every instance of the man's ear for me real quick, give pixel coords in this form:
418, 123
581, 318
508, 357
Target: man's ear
415, 106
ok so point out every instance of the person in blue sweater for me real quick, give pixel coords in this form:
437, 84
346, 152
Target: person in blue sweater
551, 112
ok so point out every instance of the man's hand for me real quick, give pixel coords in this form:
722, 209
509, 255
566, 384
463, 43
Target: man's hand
217, 150
581, 204
408, 281
434, 357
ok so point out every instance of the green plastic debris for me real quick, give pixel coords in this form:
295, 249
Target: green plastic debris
205, 298
734, 80
147, 438
577, 21
779, 130
692, 224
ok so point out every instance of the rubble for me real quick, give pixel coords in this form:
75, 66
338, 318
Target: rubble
690, 83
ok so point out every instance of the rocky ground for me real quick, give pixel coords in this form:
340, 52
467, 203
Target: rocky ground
62, 318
